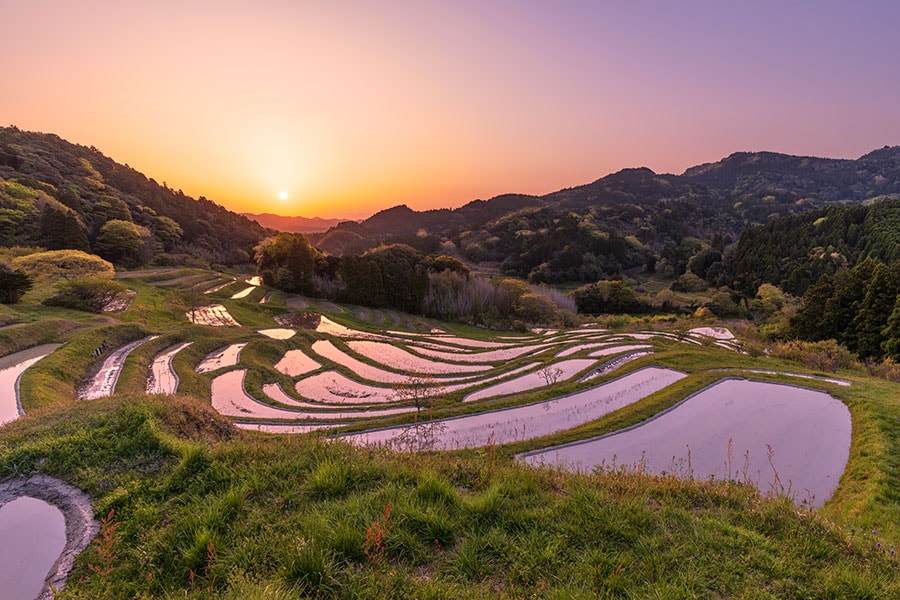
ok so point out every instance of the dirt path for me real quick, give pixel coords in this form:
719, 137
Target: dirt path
76, 508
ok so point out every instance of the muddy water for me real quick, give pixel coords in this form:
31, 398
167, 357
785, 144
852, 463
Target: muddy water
32, 536
11, 368
808, 432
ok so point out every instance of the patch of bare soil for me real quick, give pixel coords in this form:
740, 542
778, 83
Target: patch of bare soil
121, 302
303, 320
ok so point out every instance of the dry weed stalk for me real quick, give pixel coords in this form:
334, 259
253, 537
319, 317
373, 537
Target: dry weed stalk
375, 535
106, 548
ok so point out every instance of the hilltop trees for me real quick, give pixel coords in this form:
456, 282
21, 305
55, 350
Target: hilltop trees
608, 297
857, 307
793, 253
288, 262
123, 242
58, 195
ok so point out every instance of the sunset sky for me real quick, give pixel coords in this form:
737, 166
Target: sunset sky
348, 107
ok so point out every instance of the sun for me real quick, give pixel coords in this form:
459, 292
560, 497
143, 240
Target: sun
283, 195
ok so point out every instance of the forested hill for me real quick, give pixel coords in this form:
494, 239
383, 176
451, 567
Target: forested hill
793, 253
767, 173
61, 195
629, 219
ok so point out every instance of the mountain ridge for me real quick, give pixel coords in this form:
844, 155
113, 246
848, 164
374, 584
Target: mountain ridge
293, 224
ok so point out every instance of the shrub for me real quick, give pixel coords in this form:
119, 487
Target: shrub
89, 295
826, 355
47, 267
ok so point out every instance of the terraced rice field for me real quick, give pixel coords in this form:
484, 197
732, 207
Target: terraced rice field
225, 357
429, 387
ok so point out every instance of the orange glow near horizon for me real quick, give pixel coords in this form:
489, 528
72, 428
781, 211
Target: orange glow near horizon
357, 107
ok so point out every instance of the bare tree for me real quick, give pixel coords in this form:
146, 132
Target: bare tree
419, 389
550, 374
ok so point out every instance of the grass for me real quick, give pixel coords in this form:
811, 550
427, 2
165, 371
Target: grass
205, 512
202, 510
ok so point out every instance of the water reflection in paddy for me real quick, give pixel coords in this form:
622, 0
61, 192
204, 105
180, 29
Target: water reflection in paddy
530, 420
807, 431
11, 368
33, 535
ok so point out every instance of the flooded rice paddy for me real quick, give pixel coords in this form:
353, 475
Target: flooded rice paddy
104, 382
552, 373
530, 420
781, 438
163, 378
295, 363
11, 368
224, 357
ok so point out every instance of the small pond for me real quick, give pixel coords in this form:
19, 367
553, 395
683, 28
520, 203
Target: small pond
32, 536
782, 439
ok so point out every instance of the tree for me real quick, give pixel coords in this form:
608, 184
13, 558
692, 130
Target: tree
537, 309
61, 230
891, 334
123, 242
422, 435
13, 283
607, 297
420, 390
167, 231
443, 263
550, 374
288, 261
876, 309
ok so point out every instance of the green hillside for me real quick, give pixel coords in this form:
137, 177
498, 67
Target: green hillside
196, 508
59, 195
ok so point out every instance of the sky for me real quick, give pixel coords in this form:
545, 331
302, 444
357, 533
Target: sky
344, 108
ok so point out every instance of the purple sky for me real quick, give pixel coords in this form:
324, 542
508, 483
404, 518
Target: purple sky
349, 107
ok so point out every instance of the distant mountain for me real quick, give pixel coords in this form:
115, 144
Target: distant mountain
630, 218
61, 195
419, 228
293, 224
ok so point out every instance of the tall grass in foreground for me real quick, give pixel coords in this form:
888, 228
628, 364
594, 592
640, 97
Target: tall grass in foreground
202, 511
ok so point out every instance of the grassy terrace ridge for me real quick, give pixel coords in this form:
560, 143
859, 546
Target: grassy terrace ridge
199, 509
